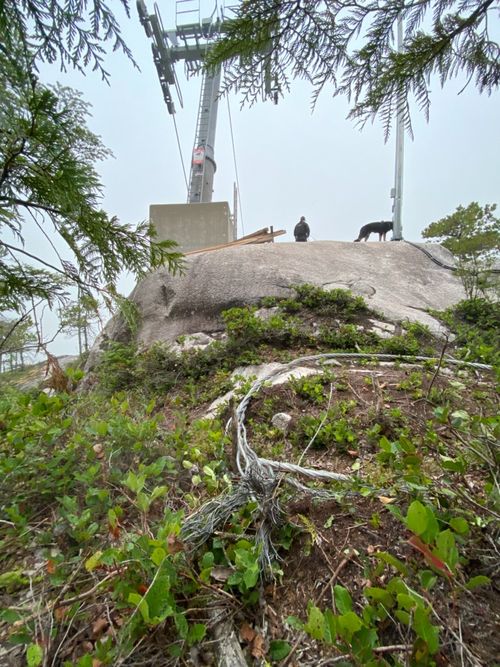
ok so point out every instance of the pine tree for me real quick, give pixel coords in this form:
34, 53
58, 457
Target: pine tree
472, 234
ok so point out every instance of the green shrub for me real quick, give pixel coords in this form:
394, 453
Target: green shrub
335, 302
116, 370
476, 326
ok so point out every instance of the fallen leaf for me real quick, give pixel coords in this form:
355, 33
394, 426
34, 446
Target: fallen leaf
51, 566
99, 626
385, 500
258, 647
60, 613
114, 531
98, 449
221, 573
247, 633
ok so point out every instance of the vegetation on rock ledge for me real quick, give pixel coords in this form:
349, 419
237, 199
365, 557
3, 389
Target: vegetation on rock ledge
396, 567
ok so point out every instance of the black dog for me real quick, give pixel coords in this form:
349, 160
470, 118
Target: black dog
381, 228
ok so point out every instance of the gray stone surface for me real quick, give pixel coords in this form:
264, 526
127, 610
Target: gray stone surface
383, 329
396, 278
281, 420
196, 341
280, 375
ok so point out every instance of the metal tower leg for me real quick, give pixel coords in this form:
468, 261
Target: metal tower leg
203, 165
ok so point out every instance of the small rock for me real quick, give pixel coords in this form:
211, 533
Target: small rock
196, 341
282, 421
383, 329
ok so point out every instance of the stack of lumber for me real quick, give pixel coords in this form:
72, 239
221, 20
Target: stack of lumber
265, 235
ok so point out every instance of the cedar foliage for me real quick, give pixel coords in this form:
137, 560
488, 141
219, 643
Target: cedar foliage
48, 179
350, 47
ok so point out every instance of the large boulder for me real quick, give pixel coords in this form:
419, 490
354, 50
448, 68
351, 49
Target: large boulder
396, 278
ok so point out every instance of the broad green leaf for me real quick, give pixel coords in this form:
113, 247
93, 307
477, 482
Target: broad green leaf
348, 624
141, 604
295, 622
158, 491
425, 630
459, 525
143, 501
381, 595
101, 428
343, 600
363, 641
209, 472
34, 655
427, 579
13, 579
453, 465
158, 556
479, 580
396, 585
315, 623
459, 418
445, 544
432, 527
93, 561
392, 560
416, 518
402, 616
112, 518
406, 601
208, 559
135, 482
196, 633
330, 626
159, 598
84, 661
279, 649
251, 575
182, 625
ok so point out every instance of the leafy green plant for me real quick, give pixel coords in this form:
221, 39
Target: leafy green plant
357, 634
476, 325
332, 431
312, 388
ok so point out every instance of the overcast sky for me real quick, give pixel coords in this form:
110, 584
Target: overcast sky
290, 161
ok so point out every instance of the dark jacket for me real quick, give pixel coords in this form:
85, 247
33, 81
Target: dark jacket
301, 231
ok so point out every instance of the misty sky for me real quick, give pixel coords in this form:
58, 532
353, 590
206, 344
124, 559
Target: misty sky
290, 162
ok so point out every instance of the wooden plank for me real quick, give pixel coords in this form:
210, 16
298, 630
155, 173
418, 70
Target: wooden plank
262, 236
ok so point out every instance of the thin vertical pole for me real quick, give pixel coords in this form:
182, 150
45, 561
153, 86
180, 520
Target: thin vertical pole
235, 212
397, 232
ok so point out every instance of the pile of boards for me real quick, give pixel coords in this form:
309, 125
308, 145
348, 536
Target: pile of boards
265, 235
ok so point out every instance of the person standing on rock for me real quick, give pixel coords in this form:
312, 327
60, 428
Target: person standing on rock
301, 231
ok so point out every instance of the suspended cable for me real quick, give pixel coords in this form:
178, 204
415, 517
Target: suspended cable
235, 166
180, 153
